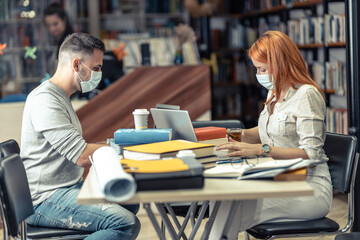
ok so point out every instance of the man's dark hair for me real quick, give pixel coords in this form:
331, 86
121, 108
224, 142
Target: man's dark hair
82, 43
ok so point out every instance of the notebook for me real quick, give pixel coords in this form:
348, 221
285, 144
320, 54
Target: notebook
178, 120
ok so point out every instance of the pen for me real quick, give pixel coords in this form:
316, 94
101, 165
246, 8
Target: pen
230, 161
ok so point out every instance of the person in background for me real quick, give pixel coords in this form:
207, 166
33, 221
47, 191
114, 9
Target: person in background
55, 153
291, 125
58, 23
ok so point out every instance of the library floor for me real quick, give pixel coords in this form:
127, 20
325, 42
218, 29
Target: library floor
338, 212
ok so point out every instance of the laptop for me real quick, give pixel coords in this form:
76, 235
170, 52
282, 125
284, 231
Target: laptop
178, 120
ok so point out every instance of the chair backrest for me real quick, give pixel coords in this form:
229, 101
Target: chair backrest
341, 150
16, 199
9, 147
230, 123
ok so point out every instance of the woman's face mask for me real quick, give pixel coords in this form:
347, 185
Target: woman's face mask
87, 86
264, 80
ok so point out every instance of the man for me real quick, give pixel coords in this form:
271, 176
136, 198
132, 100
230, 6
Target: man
55, 153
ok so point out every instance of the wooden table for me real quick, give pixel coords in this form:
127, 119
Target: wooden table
217, 190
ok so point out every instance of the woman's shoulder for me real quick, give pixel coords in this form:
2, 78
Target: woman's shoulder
308, 89
305, 87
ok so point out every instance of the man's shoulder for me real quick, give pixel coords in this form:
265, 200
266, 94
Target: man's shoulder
44, 90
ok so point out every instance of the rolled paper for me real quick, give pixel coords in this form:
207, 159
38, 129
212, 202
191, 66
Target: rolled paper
114, 182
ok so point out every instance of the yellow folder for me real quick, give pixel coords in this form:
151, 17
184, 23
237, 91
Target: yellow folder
154, 166
167, 146
166, 149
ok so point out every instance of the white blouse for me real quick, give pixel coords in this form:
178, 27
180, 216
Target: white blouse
298, 122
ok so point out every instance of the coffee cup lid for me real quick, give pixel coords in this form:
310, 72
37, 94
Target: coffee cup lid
141, 111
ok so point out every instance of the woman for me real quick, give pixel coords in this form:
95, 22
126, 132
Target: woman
57, 22
292, 125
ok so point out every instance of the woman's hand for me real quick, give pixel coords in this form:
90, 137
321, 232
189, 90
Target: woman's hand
241, 149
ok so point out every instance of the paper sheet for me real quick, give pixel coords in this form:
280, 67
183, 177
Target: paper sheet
114, 182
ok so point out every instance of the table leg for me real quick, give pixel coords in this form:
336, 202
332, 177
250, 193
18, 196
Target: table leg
173, 215
166, 220
203, 209
225, 224
210, 222
151, 215
230, 219
195, 227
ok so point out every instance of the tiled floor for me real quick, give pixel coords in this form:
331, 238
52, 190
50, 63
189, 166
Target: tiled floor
338, 211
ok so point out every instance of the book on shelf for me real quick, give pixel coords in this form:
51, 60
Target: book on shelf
306, 31
335, 76
167, 149
162, 51
165, 174
211, 132
131, 136
334, 28
337, 120
332, 76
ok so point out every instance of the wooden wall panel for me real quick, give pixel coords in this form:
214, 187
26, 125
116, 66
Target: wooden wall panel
186, 86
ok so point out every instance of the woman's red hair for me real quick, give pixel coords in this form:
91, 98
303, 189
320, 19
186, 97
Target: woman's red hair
284, 60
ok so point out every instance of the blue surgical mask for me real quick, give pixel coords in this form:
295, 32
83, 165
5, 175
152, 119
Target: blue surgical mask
264, 80
87, 86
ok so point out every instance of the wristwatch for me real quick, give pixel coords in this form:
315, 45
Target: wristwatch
266, 149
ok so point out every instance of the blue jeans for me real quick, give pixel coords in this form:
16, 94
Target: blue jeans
108, 221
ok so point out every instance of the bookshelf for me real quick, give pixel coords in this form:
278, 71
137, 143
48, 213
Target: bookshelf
316, 26
21, 26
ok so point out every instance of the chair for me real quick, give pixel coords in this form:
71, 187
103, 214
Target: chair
17, 203
348, 236
9, 147
343, 158
229, 123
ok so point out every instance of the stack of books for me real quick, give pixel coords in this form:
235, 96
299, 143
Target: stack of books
211, 135
167, 149
156, 167
165, 174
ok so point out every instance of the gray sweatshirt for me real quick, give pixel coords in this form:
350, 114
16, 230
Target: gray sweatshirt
51, 141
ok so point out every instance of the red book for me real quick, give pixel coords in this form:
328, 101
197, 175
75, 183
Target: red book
207, 133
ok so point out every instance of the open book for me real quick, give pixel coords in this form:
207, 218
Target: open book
267, 169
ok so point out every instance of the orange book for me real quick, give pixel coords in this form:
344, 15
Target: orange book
207, 133
292, 175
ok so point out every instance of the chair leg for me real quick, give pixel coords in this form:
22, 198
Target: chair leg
247, 236
162, 227
23, 230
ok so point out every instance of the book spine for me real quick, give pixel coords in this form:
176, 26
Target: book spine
141, 136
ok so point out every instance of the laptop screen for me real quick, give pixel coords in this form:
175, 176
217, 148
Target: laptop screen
178, 120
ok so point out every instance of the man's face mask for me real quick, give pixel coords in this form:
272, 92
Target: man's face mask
87, 86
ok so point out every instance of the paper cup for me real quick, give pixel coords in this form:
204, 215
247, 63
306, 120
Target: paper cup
141, 118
